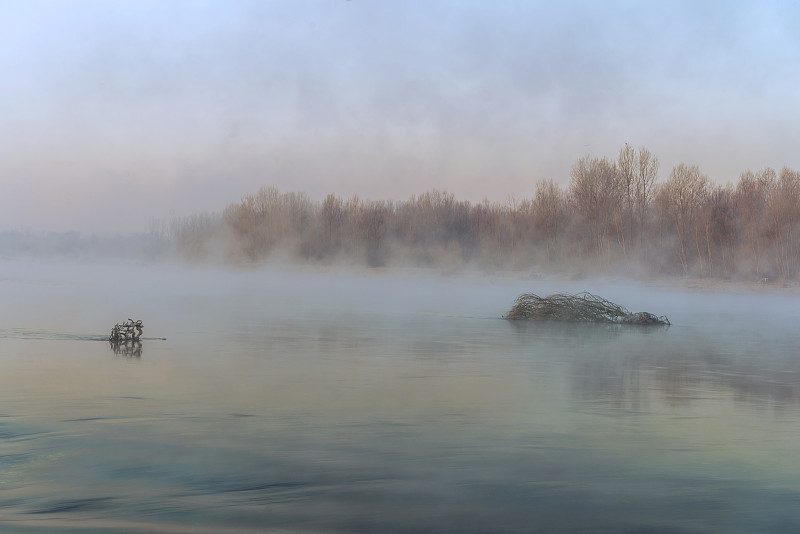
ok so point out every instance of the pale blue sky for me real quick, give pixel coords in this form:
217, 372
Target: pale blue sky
115, 112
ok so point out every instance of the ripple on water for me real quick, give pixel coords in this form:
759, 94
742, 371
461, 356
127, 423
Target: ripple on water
74, 505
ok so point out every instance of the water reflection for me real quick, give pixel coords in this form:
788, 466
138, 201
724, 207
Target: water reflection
126, 349
624, 365
577, 329
289, 418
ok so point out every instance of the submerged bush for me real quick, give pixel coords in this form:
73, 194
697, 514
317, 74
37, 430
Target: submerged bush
581, 307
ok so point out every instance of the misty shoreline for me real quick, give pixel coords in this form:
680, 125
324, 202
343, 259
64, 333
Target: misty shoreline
25, 267
614, 220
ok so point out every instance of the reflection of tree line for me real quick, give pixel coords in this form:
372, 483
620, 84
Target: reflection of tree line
618, 365
682, 379
613, 215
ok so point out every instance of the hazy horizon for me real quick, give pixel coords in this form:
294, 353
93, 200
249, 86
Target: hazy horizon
120, 112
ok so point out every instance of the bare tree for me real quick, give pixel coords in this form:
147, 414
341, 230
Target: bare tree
373, 227
549, 214
626, 168
683, 195
644, 190
752, 196
783, 218
717, 221
157, 239
595, 190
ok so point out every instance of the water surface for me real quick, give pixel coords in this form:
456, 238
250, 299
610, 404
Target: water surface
315, 401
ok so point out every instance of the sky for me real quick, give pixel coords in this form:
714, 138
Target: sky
115, 113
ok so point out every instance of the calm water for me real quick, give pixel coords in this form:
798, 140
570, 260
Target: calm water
321, 402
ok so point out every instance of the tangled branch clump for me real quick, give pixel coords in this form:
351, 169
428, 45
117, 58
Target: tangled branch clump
580, 307
129, 330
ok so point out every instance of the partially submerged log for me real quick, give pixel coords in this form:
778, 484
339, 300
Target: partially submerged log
580, 307
129, 330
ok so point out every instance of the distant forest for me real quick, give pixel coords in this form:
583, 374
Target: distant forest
613, 217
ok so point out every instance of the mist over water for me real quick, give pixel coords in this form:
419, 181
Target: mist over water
304, 399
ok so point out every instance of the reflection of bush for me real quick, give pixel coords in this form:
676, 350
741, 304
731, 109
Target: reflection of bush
127, 349
629, 366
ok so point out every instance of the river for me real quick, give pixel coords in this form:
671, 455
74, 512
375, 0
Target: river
319, 400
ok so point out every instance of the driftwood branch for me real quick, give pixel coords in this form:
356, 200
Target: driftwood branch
129, 330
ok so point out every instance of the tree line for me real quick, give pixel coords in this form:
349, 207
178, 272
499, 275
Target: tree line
615, 216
